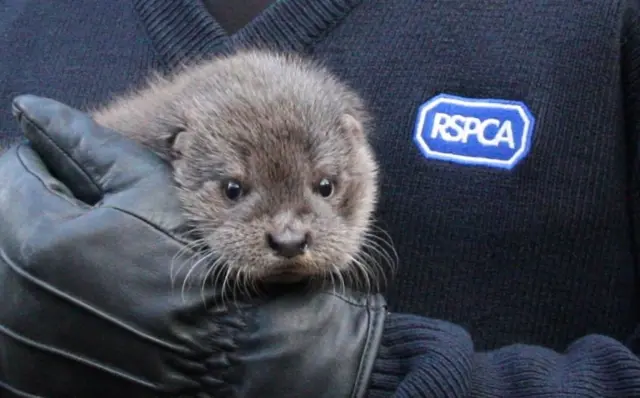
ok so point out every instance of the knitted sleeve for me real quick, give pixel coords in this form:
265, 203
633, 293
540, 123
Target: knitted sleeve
422, 357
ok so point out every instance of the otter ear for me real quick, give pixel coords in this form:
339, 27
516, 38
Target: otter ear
353, 126
167, 138
167, 142
164, 135
176, 145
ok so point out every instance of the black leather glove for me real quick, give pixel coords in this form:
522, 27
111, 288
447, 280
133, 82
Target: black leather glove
89, 229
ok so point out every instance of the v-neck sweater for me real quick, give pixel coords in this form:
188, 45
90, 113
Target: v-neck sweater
544, 253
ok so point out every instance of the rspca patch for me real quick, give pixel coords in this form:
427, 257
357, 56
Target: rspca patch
477, 132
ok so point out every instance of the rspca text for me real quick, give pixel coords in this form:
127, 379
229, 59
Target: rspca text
482, 132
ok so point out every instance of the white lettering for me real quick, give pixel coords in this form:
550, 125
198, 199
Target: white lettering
458, 128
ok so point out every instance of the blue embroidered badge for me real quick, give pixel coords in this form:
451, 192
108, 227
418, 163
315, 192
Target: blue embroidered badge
485, 132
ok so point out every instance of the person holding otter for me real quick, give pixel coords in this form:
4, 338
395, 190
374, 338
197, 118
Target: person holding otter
510, 196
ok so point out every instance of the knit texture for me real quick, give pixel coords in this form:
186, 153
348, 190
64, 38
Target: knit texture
542, 254
422, 357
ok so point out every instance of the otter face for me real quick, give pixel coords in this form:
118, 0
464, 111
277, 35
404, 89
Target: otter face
271, 160
275, 198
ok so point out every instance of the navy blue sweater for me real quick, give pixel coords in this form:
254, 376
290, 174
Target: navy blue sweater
507, 134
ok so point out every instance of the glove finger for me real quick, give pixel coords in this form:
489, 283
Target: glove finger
31, 199
91, 160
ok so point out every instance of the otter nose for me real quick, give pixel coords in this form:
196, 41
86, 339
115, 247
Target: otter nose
289, 243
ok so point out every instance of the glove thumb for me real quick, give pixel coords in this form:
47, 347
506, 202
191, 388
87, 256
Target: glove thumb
91, 160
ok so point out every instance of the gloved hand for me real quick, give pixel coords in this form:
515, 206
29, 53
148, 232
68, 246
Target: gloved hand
89, 228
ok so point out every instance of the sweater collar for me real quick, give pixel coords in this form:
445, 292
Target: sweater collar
183, 30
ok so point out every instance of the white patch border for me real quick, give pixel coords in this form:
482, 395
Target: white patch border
520, 107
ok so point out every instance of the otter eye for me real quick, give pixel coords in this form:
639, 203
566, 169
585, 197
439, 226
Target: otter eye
232, 189
325, 188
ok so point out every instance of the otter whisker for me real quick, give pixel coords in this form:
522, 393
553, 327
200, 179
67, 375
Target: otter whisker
201, 260
332, 275
385, 248
373, 270
339, 275
224, 287
386, 243
239, 281
351, 274
381, 248
212, 269
190, 250
218, 277
370, 263
359, 272
253, 283
243, 280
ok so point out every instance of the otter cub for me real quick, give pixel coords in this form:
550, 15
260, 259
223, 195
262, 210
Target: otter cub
270, 158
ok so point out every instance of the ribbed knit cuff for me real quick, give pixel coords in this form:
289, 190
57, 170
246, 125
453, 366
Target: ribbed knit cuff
421, 357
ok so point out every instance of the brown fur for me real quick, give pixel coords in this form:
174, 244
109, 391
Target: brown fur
277, 123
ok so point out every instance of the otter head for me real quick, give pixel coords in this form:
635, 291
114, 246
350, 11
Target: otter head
273, 166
